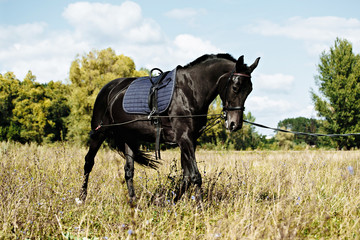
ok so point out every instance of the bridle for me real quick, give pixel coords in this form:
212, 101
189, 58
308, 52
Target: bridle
226, 107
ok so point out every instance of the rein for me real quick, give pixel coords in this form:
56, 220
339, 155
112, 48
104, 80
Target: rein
150, 117
221, 116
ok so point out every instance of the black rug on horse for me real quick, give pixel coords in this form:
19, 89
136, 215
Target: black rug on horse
136, 99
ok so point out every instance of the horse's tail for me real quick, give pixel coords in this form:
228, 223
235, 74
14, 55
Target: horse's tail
147, 160
141, 157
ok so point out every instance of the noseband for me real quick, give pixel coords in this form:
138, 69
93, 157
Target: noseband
226, 108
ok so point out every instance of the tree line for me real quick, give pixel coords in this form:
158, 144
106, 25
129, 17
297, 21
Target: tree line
57, 111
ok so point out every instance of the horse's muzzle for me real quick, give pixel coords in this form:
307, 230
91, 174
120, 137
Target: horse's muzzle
234, 118
233, 126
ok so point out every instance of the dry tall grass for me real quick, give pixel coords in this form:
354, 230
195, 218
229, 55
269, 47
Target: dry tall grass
247, 195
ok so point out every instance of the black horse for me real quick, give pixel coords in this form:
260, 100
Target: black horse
197, 85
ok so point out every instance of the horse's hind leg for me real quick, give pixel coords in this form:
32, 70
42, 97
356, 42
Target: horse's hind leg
95, 142
129, 172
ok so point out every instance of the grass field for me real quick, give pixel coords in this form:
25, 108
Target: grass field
247, 195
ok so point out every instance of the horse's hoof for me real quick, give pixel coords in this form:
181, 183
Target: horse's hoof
132, 202
78, 201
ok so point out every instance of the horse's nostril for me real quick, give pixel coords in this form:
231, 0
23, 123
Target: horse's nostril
232, 126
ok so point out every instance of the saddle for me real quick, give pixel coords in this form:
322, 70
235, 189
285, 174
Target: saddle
146, 93
151, 96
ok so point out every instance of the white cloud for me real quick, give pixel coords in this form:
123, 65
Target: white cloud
309, 112
48, 54
188, 47
32, 47
112, 22
275, 82
185, 13
318, 31
256, 103
313, 28
183, 49
24, 31
103, 17
269, 111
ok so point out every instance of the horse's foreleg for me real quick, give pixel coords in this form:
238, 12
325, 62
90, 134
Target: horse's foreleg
191, 174
129, 172
95, 143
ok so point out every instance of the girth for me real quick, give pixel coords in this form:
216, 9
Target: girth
153, 105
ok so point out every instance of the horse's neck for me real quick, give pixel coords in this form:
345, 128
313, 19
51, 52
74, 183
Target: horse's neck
215, 82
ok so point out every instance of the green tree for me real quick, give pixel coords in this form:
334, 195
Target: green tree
9, 87
29, 113
339, 86
302, 124
285, 140
246, 138
38, 111
57, 110
88, 74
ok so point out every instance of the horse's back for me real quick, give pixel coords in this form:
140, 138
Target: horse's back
116, 84
108, 93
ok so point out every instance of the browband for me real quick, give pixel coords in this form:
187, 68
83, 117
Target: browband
241, 74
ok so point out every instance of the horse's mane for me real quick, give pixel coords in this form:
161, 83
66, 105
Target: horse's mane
206, 57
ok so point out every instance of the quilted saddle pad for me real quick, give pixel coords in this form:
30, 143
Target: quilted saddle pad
136, 99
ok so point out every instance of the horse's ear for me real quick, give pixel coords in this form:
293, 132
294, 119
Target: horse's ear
254, 65
240, 63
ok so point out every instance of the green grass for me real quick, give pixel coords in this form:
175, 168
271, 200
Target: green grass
247, 195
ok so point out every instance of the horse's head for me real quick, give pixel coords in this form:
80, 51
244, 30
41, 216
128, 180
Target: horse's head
238, 87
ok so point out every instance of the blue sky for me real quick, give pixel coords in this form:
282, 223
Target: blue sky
289, 36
